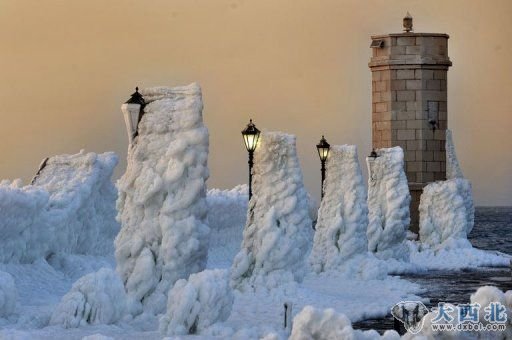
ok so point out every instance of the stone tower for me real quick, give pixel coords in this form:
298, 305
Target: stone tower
409, 103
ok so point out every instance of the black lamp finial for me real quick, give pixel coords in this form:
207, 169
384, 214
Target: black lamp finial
136, 98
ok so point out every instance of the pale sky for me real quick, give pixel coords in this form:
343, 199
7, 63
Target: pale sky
298, 66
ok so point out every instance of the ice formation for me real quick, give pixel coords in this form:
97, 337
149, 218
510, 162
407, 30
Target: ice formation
278, 232
446, 207
197, 303
342, 219
446, 214
453, 169
161, 205
313, 323
96, 298
23, 223
227, 212
388, 204
225, 208
8, 294
69, 209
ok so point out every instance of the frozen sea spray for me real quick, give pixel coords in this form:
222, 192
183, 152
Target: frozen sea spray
70, 208
197, 303
388, 204
278, 232
96, 298
342, 218
446, 207
161, 205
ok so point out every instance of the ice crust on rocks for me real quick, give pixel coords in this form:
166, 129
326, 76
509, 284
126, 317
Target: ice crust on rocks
343, 215
278, 232
69, 209
24, 222
8, 294
447, 213
161, 204
197, 303
96, 298
388, 204
312, 323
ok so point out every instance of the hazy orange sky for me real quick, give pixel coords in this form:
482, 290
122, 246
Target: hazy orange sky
299, 66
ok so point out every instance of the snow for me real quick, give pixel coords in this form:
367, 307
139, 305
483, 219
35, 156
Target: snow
8, 294
96, 298
343, 215
162, 197
446, 214
197, 303
69, 209
278, 232
388, 204
312, 323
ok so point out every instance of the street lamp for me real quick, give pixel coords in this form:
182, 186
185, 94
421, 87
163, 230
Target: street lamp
133, 110
371, 160
251, 135
407, 23
323, 151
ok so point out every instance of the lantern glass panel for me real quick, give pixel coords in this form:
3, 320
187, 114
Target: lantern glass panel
323, 149
323, 153
131, 117
251, 141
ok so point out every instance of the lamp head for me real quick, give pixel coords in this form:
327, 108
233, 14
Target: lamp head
407, 23
251, 136
132, 111
323, 149
136, 98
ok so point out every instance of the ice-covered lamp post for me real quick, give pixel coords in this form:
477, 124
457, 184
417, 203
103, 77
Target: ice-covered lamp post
323, 151
371, 159
251, 135
133, 110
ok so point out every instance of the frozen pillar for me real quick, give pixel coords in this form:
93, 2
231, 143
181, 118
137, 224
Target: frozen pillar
162, 205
